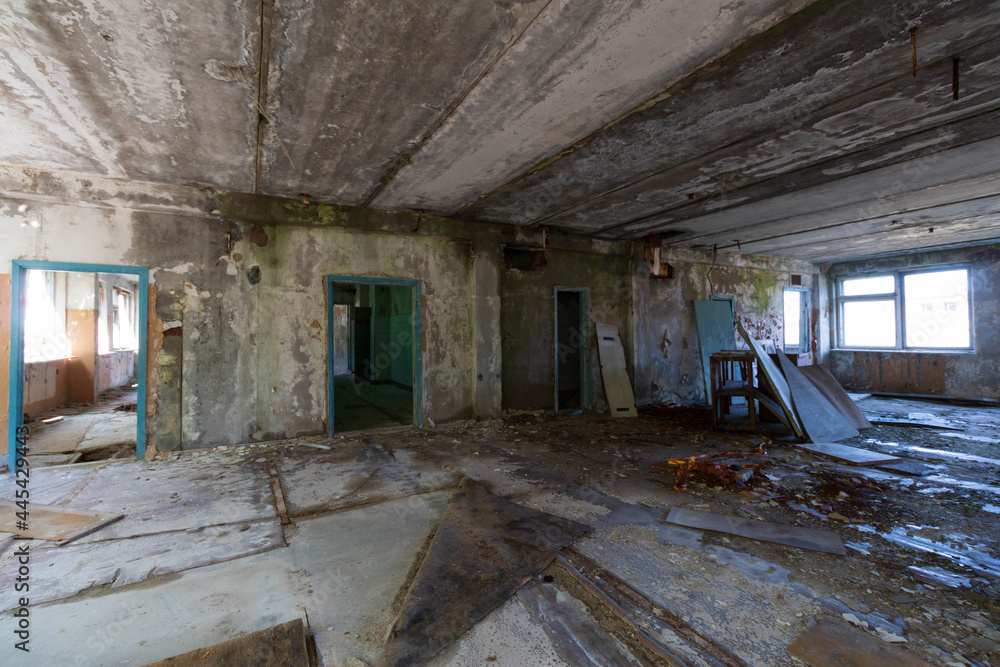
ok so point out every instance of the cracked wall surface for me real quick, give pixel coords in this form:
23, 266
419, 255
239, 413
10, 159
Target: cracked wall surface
237, 333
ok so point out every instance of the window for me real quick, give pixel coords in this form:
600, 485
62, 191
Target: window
122, 335
796, 321
906, 310
43, 340
936, 309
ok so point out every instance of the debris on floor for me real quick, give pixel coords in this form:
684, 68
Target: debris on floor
726, 468
202, 556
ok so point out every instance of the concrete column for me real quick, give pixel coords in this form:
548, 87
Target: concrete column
486, 283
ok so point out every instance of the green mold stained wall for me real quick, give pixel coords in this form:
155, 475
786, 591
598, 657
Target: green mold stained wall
528, 327
291, 331
667, 350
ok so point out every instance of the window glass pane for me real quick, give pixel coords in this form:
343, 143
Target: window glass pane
937, 309
869, 323
793, 312
868, 285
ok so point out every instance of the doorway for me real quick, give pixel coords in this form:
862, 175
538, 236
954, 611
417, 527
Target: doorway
78, 362
375, 363
572, 348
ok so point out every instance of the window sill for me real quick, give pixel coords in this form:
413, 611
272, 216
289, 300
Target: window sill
868, 350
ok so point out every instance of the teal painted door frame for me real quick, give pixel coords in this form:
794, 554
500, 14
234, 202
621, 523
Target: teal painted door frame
418, 348
15, 401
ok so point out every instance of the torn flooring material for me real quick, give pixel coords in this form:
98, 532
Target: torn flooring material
851, 456
56, 524
485, 549
832, 643
793, 536
279, 646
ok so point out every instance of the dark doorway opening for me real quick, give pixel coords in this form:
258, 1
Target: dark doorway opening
572, 338
373, 354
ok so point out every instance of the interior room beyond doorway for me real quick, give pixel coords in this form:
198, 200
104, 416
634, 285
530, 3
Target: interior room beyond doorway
372, 360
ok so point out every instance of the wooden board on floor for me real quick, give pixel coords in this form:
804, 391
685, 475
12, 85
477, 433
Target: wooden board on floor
56, 524
851, 456
827, 385
617, 386
774, 379
714, 320
821, 421
278, 646
793, 536
907, 467
915, 423
833, 643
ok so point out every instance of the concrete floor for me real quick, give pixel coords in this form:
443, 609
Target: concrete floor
202, 554
86, 431
361, 405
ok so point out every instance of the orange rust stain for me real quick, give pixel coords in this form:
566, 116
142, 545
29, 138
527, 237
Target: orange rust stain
900, 372
154, 343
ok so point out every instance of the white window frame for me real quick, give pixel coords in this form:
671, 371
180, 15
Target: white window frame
803, 346
899, 297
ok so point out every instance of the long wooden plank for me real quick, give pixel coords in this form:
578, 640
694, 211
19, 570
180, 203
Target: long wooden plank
906, 467
773, 408
915, 423
56, 524
827, 385
821, 421
833, 643
793, 536
617, 385
714, 320
774, 379
851, 456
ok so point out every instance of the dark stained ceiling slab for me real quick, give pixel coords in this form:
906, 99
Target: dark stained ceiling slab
355, 86
577, 68
792, 129
145, 91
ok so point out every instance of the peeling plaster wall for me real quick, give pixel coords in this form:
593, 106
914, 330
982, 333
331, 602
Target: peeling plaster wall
961, 375
237, 329
668, 361
290, 332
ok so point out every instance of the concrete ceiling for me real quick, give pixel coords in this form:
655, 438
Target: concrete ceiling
791, 129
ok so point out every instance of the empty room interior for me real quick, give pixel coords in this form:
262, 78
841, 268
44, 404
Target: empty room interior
490, 332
